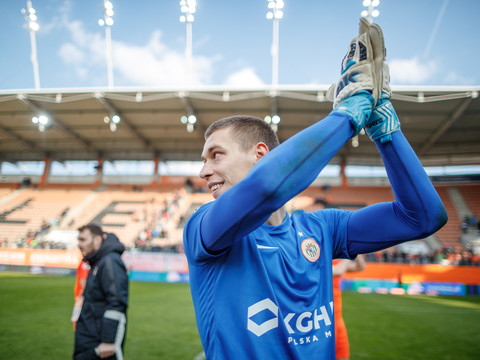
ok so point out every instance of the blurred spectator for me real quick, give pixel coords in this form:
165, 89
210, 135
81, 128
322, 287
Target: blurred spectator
80, 281
100, 329
339, 268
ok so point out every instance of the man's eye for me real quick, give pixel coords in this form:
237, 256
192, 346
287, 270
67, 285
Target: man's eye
216, 155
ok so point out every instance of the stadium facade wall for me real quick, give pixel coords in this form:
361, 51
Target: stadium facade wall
431, 279
171, 267
142, 266
410, 273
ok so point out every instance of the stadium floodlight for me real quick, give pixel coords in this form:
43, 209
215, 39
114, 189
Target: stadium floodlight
114, 115
273, 121
275, 13
32, 26
192, 119
107, 21
41, 121
188, 8
371, 12
189, 121
112, 121
115, 119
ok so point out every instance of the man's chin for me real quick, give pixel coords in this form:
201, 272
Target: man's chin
216, 194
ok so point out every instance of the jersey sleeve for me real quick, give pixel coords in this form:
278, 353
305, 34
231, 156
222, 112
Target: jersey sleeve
276, 178
335, 223
416, 213
192, 240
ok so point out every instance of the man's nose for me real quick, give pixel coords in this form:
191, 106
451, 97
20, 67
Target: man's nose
206, 171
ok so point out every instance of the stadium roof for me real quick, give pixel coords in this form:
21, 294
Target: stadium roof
441, 123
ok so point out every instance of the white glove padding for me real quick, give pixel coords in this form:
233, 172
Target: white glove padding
382, 72
358, 68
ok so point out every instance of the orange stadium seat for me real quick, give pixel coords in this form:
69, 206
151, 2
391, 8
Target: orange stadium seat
471, 195
128, 212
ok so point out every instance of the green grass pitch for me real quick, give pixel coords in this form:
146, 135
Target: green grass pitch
35, 322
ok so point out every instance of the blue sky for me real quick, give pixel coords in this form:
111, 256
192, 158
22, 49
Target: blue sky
231, 42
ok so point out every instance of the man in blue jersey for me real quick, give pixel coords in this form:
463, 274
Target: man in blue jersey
261, 279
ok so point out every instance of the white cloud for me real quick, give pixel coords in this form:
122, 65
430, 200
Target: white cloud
85, 51
456, 79
152, 64
71, 54
82, 72
59, 20
157, 65
411, 71
140, 65
244, 77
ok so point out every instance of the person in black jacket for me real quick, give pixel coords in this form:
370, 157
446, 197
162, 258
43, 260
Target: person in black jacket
100, 331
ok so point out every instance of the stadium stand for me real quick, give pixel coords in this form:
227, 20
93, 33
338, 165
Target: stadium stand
129, 212
30, 212
471, 194
462, 203
149, 211
449, 235
350, 198
152, 218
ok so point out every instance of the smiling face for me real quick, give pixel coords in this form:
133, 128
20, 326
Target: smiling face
225, 162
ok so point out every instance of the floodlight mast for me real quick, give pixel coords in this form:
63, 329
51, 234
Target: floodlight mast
32, 26
371, 12
107, 21
188, 9
275, 13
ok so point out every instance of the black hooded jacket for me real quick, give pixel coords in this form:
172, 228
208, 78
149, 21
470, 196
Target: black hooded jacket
103, 315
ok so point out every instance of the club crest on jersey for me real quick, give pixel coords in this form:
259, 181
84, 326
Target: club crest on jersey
310, 250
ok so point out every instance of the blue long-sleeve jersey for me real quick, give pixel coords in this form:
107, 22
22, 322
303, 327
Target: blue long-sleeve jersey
264, 291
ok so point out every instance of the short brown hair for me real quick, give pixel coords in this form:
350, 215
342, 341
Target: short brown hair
94, 229
248, 130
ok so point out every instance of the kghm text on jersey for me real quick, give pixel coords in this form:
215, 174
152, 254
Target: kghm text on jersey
297, 325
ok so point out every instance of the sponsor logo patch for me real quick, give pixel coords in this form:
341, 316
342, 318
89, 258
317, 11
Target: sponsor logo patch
298, 325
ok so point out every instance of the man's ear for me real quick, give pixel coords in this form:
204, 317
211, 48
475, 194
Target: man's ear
98, 241
261, 149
